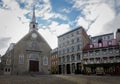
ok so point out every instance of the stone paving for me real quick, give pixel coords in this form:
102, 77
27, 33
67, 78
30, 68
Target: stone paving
59, 79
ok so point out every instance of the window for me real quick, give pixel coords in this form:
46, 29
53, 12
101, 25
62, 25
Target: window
7, 69
77, 32
108, 37
117, 49
91, 60
63, 58
104, 51
111, 59
59, 52
93, 39
59, 59
45, 60
63, 51
104, 59
72, 41
72, 48
34, 45
78, 47
100, 44
117, 58
21, 58
67, 36
110, 43
72, 57
98, 60
67, 50
78, 56
97, 52
72, 35
91, 53
59, 46
110, 50
63, 44
67, 42
85, 53
78, 39
91, 45
63, 38
33, 26
68, 58
100, 40
8, 61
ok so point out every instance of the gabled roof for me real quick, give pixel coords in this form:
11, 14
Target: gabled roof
29, 35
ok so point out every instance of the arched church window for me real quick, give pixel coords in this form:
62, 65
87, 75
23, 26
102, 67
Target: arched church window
34, 44
45, 60
21, 58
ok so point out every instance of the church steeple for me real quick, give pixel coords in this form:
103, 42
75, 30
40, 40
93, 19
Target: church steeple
33, 24
33, 17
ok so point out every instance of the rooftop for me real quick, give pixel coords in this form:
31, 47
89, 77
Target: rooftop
102, 35
70, 31
104, 44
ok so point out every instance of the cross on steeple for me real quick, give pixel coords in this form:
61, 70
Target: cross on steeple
33, 24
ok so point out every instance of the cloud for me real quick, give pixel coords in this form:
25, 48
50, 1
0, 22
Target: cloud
51, 32
59, 29
112, 25
96, 14
11, 26
4, 42
15, 24
66, 10
104, 16
82, 22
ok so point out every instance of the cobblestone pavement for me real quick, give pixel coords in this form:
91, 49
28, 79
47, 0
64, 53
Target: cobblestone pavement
59, 79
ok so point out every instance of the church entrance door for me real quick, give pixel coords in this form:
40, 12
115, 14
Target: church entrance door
33, 66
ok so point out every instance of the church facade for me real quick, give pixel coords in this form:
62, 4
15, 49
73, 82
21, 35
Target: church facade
30, 54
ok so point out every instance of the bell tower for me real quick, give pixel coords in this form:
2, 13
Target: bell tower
33, 24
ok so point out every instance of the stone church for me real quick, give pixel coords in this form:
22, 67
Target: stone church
31, 54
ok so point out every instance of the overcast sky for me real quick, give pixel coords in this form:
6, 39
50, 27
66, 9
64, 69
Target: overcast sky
56, 17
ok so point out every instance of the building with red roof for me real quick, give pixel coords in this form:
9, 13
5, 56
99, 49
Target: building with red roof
102, 55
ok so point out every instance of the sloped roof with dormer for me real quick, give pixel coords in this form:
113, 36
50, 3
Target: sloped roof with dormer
105, 44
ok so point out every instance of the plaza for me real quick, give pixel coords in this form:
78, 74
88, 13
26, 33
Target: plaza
58, 79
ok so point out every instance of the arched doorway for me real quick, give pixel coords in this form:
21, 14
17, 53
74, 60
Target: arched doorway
68, 68
33, 63
33, 66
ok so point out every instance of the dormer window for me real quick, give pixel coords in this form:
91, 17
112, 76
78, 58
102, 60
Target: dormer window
91, 45
100, 44
100, 40
110, 43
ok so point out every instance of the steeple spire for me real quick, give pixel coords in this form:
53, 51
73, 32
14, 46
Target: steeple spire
33, 24
33, 17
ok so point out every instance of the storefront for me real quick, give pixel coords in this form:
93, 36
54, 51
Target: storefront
102, 69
